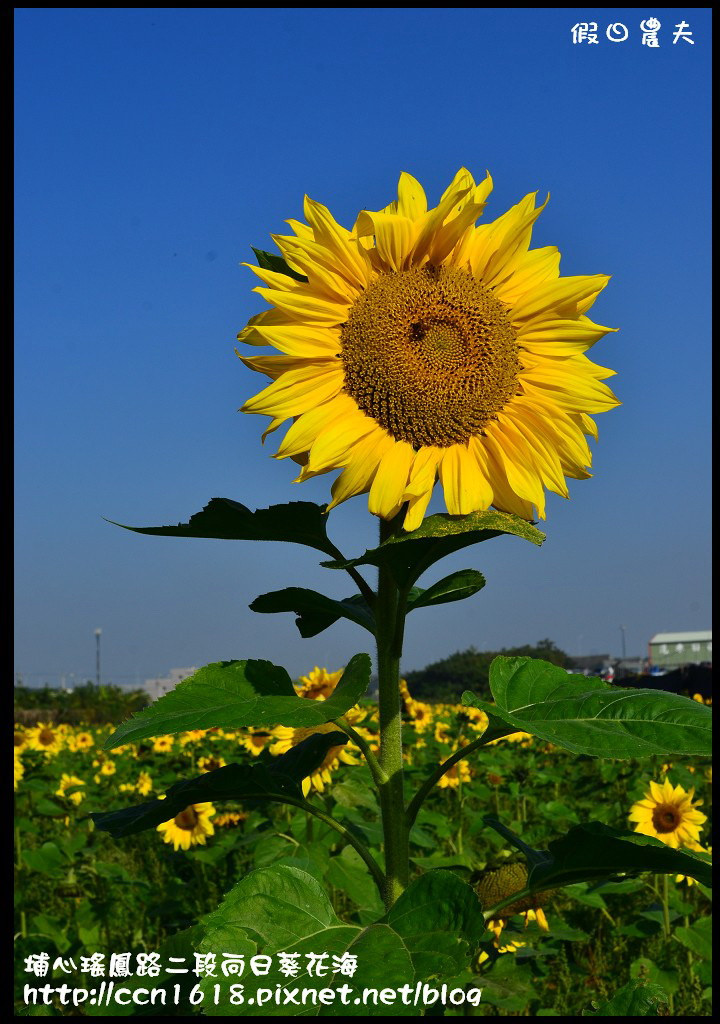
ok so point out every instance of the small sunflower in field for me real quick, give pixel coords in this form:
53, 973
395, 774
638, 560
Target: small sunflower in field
286, 737
443, 733
47, 738
191, 736
418, 347
230, 819
210, 764
477, 720
163, 744
20, 739
421, 715
456, 776
668, 813
19, 769
371, 737
190, 827
318, 683
144, 784
70, 782
255, 741
80, 741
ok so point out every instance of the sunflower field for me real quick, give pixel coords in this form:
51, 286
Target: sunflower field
86, 901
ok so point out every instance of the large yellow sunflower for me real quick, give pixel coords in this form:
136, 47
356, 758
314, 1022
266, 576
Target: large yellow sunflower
189, 828
287, 737
418, 346
669, 813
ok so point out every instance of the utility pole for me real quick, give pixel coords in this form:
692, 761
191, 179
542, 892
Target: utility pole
98, 634
622, 630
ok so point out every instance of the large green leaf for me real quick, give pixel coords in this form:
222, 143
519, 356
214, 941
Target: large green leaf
440, 920
275, 781
300, 522
636, 999
455, 587
271, 261
408, 555
697, 937
593, 852
315, 611
283, 909
231, 694
589, 716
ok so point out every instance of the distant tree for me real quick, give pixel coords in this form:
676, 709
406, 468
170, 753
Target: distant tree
446, 679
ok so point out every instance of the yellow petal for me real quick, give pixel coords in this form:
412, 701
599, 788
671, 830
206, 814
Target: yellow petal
388, 486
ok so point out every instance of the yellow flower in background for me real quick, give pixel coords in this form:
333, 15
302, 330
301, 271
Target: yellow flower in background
81, 741
192, 736
144, 784
477, 719
19, 769
668, 813
286, 737
108, 768
210, 764
422, 714
68, 782
163, 744
319, 683
418, 346
190, 827
458, 775
45, 737
442, 733
20, 739
255, 741
230, 818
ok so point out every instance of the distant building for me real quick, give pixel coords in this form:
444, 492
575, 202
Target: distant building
672, 650
159, 687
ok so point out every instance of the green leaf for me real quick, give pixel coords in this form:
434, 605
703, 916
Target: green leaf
277, 780
594, 851
697, 937
646, 970
408, 555
282, 908
48, 860
231, 694
455, 587
348, 873
315, 612
299, 522
589, 716
636, 999
271, 261
440, 920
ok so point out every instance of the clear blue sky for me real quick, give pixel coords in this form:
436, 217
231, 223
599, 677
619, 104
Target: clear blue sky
154, 147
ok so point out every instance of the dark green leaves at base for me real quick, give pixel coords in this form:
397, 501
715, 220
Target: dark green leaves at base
231, 694
408, 555
278, 781
589, 716
300, 522
594, 852
636, 999
282, 908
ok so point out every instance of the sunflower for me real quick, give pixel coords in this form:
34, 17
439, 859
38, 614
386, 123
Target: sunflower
70, 782
20, 739
81, 741
418, 346
286, 737
189, 828
688, 879
45, 737
230, 819
458, 775
210, 764
192, 736
476, 719
319, 683
669, 814
497, 886
163, 744
19, 769
255, 741
442, 733
144, 784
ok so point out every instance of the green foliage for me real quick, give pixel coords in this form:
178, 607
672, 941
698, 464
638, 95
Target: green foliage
408, 555
230, 694
315, 612
252, 784
589, 716
595, 852
636, 999
87, 702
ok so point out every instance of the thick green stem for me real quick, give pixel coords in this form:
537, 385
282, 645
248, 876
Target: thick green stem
390, 617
